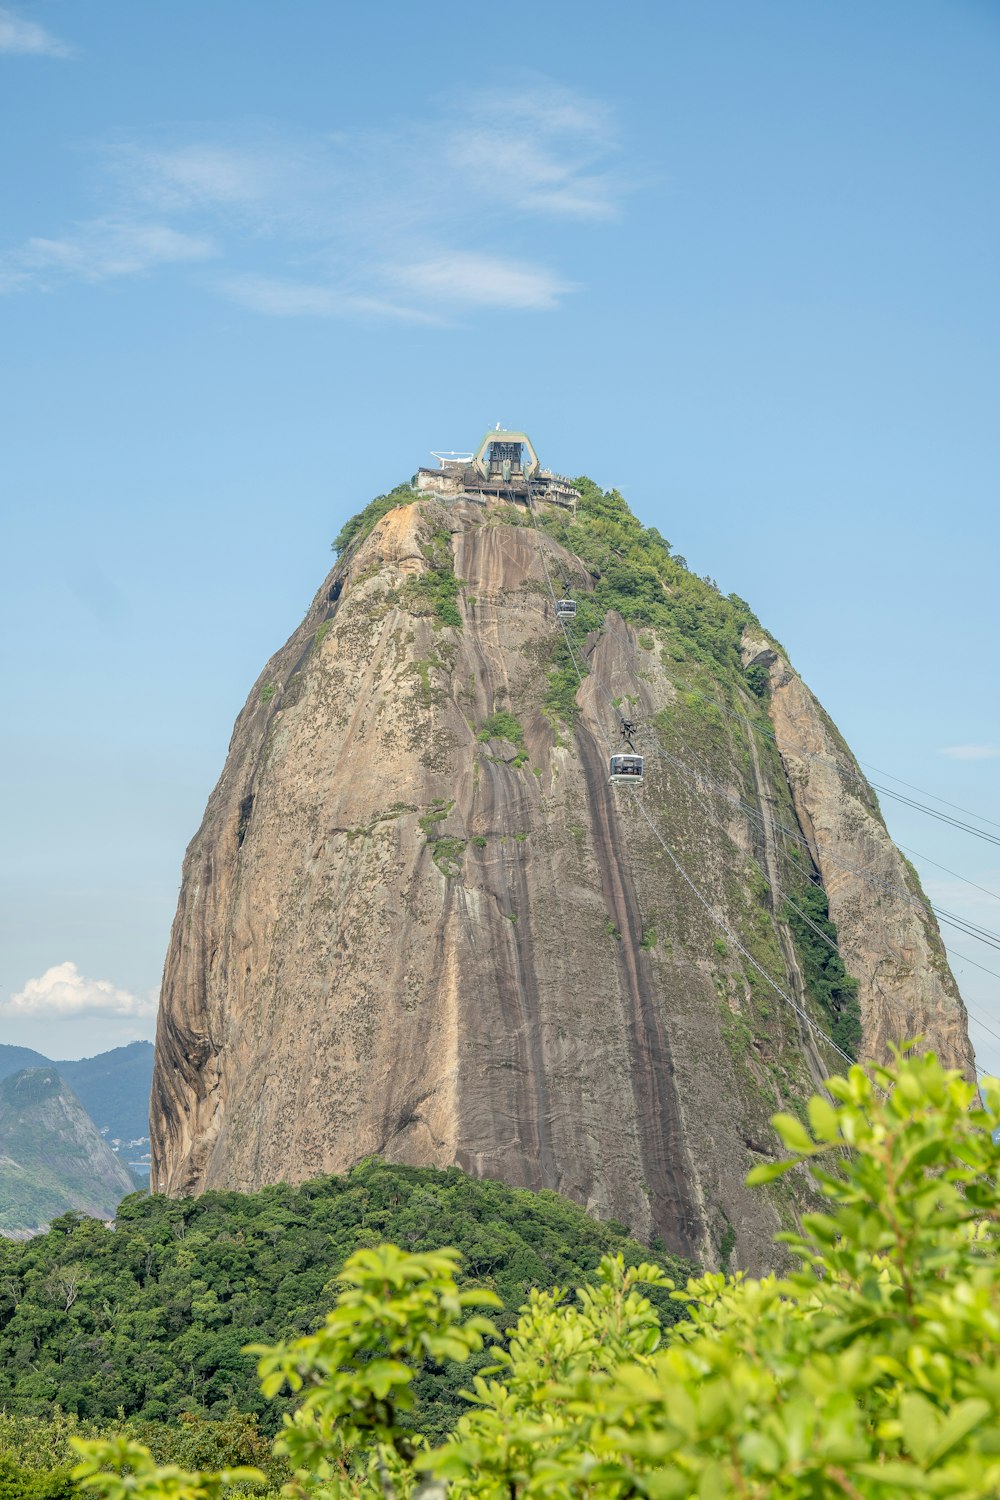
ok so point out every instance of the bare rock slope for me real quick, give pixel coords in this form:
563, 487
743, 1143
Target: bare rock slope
417, 921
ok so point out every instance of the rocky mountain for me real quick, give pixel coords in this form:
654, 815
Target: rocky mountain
418, 922
52, 1158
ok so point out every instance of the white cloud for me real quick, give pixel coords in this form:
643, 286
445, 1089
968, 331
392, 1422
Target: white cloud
482, 281
540, 152
971, 752
63, 991
28, 39
291, 299
202, 174
100, 249
311, 225
530, 178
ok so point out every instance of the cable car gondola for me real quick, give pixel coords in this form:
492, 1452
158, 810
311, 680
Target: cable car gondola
627, 766
565, 609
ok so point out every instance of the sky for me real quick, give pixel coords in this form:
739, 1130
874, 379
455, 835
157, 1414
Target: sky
257, 261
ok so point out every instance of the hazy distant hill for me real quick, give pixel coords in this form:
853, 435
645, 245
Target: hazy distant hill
52, 1157
113, 1087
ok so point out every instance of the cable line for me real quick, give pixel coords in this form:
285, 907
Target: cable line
979, 1022
835, 946
962, 924
930, 812
965, 881
847, 771
761, 819
933, 796
723, 926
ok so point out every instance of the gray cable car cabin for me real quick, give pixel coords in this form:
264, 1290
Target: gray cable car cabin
565, 609
626, 768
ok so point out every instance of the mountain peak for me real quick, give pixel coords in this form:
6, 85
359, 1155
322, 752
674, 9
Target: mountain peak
419, 922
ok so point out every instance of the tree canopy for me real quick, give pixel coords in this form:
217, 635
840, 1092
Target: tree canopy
871, 1371
152, 1318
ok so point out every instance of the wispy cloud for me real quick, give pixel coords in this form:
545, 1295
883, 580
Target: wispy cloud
542, 150
27, 38
100, 249
300, 299
482, 281
971, 752
312, 226
64, 991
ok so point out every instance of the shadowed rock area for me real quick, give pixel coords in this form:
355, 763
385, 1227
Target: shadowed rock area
418, 922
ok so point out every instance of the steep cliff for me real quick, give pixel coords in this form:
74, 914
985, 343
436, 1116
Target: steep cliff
418, 922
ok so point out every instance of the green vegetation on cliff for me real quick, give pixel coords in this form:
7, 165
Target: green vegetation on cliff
636, 573
434, 592
361, 525
153, 1317
823, 968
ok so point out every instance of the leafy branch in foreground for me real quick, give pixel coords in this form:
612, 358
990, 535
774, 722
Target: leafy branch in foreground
871, 1372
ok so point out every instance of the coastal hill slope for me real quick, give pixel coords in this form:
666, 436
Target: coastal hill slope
52, 1158
418, 922
112, 1086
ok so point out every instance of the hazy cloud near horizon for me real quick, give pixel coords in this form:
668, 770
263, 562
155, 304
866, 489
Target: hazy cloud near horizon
62, 991
417, 220
971, 752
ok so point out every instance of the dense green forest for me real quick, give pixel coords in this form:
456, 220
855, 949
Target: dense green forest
151, 1319
868, 1374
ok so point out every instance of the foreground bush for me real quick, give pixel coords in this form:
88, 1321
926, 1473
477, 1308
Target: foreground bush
870, 1372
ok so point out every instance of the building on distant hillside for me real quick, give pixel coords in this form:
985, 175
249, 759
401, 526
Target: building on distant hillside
504, 464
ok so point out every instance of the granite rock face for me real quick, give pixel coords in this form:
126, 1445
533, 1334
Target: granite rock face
400, 936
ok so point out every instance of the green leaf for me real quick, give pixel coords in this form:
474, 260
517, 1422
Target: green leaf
380, 1375
768, 1171
793, 1134
957, 1425
823, 1118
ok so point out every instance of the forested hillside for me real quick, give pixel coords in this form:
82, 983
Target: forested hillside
113, 1086
152, 1318
52, 1158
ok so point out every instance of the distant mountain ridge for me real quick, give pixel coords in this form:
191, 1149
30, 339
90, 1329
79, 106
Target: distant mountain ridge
112, 1086
52, 1157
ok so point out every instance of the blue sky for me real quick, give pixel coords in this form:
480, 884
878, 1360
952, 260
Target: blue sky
257, 260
